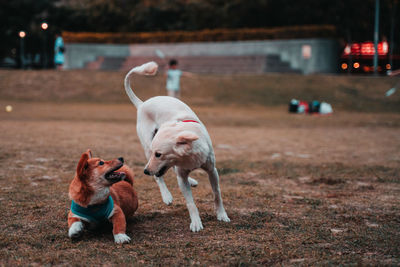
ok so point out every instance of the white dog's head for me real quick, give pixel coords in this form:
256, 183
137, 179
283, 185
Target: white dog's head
171, 146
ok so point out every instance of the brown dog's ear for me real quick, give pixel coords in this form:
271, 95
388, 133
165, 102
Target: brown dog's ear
186, 137
83, 165
89, 153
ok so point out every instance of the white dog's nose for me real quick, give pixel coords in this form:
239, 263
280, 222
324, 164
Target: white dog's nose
146, 172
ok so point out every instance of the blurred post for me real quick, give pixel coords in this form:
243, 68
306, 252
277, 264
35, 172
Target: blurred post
22, 35
376, 37
44, 28
394, 7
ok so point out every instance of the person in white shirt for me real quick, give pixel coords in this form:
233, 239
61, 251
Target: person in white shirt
174, 78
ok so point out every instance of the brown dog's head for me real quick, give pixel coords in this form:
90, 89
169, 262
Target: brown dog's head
96, 172
93, 178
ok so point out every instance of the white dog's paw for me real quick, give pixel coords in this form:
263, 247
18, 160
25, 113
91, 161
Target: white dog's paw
192, 182
121, 238
167, 197
75, 230
196, 225
222, 216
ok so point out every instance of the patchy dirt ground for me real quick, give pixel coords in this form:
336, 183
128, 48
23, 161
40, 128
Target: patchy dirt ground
300, 190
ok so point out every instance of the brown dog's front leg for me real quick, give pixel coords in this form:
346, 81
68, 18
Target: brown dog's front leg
119, 226
75, 226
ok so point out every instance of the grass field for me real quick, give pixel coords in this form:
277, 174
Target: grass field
299, 189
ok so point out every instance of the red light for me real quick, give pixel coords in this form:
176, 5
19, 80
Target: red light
366, 49
356, 65
383, 48
344, 66
355, 49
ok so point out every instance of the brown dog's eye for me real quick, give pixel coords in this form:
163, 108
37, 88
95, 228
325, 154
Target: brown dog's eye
158, 155
101, 162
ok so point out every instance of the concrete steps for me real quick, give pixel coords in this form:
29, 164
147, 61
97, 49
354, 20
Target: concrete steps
200, 64
275, 64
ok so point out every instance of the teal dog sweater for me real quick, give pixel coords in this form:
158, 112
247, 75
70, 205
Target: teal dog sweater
94, 213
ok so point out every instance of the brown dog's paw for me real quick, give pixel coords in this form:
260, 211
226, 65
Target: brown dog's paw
121, 238
76, 230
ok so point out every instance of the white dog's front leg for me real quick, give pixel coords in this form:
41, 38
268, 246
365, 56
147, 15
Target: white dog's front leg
184, 185
165, 194
219, 206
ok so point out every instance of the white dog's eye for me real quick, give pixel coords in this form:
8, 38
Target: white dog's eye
157, 155
101, 162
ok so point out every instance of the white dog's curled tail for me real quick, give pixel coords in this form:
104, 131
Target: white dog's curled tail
149, 68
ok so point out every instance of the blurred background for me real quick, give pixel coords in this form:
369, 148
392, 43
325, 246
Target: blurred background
207, 36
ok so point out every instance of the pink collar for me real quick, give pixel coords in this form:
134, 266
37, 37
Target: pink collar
190, 121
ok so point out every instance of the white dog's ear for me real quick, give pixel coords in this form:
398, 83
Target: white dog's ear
186, 137
184, 142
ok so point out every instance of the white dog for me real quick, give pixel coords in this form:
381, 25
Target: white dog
173, 136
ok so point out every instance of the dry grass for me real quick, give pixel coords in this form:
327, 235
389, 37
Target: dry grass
358, 93
300, 190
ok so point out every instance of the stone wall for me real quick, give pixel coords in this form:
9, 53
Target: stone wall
300, 55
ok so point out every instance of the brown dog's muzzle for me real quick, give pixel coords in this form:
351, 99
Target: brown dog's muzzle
112, 176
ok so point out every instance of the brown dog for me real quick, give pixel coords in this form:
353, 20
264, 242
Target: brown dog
100, 191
